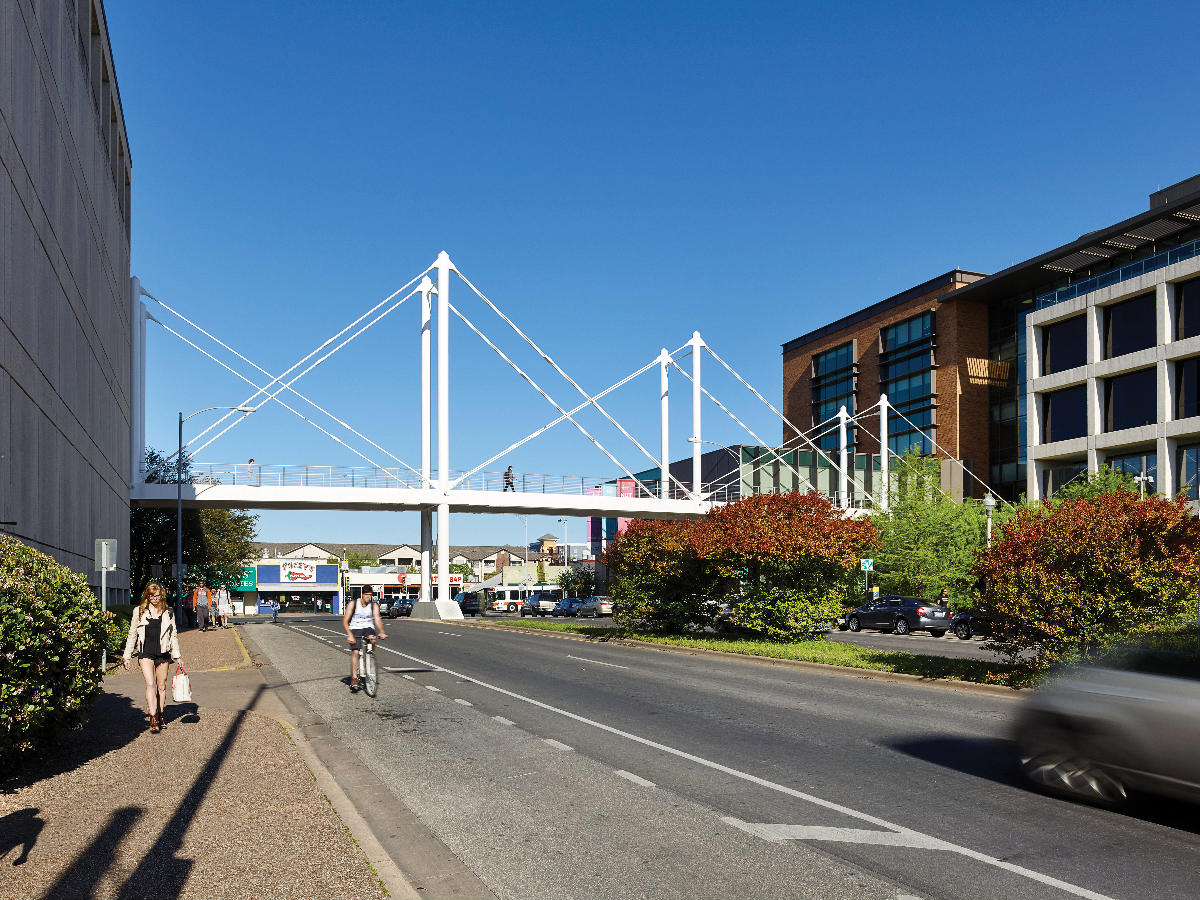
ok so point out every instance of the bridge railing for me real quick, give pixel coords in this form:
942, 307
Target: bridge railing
380, 477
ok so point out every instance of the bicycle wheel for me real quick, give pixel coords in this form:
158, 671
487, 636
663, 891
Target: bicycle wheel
371, 683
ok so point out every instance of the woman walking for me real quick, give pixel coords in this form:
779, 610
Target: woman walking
154, 640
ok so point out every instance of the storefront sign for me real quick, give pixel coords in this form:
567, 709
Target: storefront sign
415, 578
297, 572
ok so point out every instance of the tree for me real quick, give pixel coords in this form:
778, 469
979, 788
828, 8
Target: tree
783, 560
1105, 481
462, 569
1068, 579
216, 542
927, 541
577, 581
357, 560
654, 578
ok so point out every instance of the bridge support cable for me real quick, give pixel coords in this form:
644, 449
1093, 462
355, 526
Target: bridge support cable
548, 398
811, 435
304, 359
549, 425
287, 386
295, 412
769, 405
748, 430
950, 457
544, 355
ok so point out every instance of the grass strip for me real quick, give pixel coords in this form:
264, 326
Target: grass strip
819, 651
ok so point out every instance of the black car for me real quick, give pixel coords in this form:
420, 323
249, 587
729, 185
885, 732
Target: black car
399, 606
901, 615
971, 622
468, 602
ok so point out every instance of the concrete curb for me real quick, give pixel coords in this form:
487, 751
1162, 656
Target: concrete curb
995, 690
410, 860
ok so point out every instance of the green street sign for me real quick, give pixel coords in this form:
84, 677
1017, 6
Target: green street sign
249, 580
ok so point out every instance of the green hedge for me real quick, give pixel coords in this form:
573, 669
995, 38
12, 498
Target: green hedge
121, 614
51, 634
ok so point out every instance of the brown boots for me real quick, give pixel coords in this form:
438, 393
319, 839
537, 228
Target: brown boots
156, 723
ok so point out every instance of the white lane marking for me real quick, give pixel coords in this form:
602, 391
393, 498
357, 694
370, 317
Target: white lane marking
557, 745
636, 779
409, 677
430, 687
449, 634
596, 662
502, 720
778, 833
771, 785
463, 702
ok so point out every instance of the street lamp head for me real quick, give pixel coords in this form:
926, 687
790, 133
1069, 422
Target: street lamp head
245, 409
989, 502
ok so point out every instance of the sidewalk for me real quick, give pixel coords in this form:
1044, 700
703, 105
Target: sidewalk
227, 802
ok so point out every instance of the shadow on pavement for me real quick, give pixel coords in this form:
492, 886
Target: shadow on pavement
20, 829
161, 873
995, 760
113, 722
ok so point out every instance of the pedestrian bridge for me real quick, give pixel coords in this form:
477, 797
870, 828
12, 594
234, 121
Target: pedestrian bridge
370, 488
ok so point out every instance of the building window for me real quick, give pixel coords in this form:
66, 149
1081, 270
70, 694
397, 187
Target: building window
1129, 326
1136, 464
834, 380
1187, 388
1130, 400
1189, 471
1064, 345
1055, 478
906, 376
1065, 414
1187, 309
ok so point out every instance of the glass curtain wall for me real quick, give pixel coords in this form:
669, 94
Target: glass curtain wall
834, 379
906, 376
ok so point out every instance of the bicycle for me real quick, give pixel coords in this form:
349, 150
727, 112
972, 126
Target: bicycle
366, 666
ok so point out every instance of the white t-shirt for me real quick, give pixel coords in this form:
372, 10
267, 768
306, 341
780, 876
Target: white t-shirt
364, 616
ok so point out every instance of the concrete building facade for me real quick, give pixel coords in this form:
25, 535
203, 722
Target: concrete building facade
65, 293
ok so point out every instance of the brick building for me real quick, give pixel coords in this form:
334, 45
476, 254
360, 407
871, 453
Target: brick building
924, 348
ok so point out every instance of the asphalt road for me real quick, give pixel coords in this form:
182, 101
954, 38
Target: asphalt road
559, 768
917, 642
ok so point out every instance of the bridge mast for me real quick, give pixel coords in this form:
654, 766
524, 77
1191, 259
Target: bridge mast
443, 392
426, 440
697, 345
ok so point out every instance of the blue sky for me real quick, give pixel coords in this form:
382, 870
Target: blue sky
613, 175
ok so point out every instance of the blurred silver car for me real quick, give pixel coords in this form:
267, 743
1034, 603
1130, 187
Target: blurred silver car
595, 607
1096, 733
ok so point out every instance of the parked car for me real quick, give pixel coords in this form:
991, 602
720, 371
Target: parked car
540, 604
971, 622
398, 606
567, 606
468, 602
901, 615
1097, 733
594, 607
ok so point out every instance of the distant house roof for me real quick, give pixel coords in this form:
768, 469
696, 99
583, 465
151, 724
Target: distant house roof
377, 551
548, 537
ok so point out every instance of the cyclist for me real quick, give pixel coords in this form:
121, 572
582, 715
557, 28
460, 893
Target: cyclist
361, 621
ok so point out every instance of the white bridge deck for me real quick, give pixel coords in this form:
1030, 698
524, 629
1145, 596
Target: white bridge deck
326, 487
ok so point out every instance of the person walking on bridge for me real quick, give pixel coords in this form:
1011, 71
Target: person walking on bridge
508, 480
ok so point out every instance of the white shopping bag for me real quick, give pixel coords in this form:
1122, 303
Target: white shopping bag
181, 686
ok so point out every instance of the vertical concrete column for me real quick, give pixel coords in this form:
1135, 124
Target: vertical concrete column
1165, 477
1034, 410
137, 381
1095, 390
1164, 304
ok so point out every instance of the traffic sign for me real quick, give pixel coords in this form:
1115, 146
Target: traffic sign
868, 565
106, 554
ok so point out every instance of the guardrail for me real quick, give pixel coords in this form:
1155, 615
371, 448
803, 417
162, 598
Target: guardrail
378, 477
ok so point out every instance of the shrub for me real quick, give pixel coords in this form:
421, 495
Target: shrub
52, 632
654, 579
121, 615
786, 558
1069, 579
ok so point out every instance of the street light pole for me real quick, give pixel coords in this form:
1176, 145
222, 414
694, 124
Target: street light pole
989, 505
179, 504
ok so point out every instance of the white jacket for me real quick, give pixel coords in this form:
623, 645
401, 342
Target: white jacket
168, 637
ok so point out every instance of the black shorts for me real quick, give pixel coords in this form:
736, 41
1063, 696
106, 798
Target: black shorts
157, 657
359, 634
